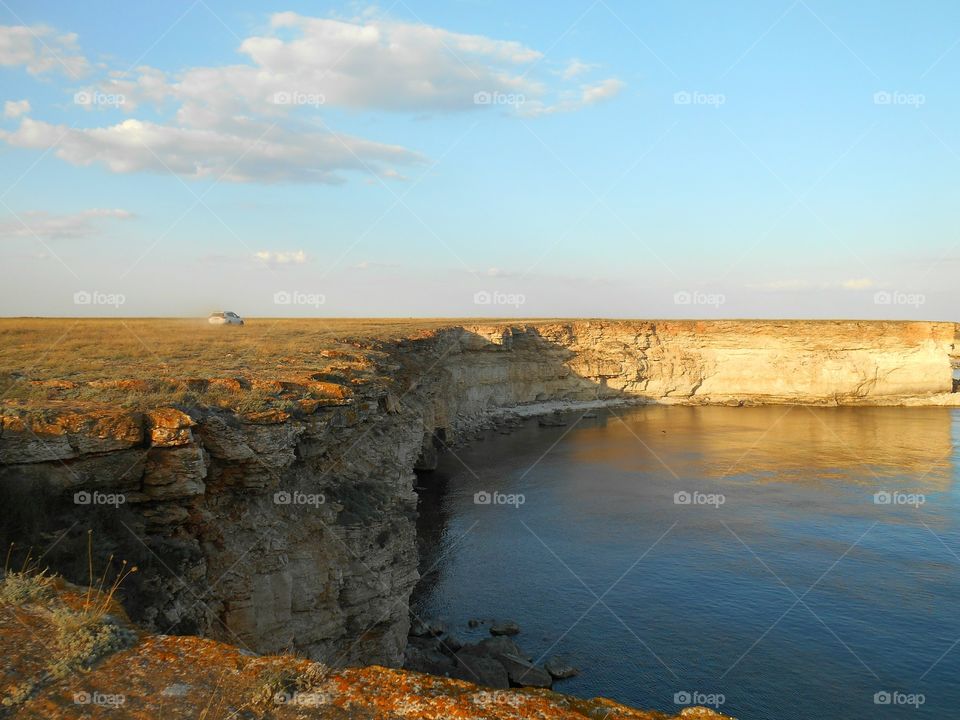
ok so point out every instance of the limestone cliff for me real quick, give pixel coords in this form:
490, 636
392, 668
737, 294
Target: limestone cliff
295, 530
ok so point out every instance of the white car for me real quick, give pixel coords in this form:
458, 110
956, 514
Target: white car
225, 318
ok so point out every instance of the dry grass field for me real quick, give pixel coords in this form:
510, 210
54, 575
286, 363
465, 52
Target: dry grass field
140, 363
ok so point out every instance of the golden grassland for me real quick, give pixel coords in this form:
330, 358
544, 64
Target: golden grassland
143, 363
95, 360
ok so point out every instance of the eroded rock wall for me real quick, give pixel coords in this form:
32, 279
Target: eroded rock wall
274, 532
708, 362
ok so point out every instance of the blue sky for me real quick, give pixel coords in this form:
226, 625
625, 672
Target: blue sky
608, 158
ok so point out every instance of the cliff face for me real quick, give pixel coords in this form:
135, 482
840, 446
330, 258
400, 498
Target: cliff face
278, 530
717, 361
271, 532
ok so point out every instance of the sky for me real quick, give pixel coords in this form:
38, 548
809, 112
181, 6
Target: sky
589, 158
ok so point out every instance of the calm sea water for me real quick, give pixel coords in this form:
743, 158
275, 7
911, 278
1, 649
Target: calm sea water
800, 596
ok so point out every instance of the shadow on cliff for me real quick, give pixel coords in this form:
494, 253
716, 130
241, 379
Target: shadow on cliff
450, 379
507, 367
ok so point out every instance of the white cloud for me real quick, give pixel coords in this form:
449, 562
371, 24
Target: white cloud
52, 226
15, 108
857, 284
293, 257
264, 121
367, 64
570, 102
575, 68
603, 90
252, 152
41, 50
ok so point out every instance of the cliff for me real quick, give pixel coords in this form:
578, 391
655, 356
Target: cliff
288, 524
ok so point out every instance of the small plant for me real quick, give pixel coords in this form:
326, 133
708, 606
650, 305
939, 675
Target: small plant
279, 685
98, 602
29, 584
83, 638
82, 634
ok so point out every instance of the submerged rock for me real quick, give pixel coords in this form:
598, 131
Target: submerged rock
555, 421
452, 642
560, 669
507, 627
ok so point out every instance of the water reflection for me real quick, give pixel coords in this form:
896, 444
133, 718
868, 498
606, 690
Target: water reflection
706, 597
783, 444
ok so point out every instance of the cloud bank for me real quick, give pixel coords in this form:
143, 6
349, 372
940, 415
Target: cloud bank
264, 120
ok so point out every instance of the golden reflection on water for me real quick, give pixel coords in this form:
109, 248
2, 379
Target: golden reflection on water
861, 445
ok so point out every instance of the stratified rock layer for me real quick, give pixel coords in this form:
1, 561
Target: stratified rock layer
275, 529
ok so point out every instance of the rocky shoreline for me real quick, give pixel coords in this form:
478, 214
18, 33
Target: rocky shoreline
496, 662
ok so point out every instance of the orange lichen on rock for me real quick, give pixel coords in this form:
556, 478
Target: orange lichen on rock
122, 426
184, 678
169, 427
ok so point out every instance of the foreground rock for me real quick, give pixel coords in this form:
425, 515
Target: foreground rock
497, 662
185, 678
524, 673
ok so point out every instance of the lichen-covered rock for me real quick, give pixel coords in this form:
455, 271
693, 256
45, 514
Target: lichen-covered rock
183, 678
169, 427
53, 435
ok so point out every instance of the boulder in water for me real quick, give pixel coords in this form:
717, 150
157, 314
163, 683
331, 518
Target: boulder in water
507, 627
560, 669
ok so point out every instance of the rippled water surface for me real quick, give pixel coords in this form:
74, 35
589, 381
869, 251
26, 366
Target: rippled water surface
799, 596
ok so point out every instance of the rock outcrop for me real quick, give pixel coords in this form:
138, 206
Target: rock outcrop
294, 529
147, 676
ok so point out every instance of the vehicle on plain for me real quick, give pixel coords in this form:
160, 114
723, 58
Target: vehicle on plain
225, 318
